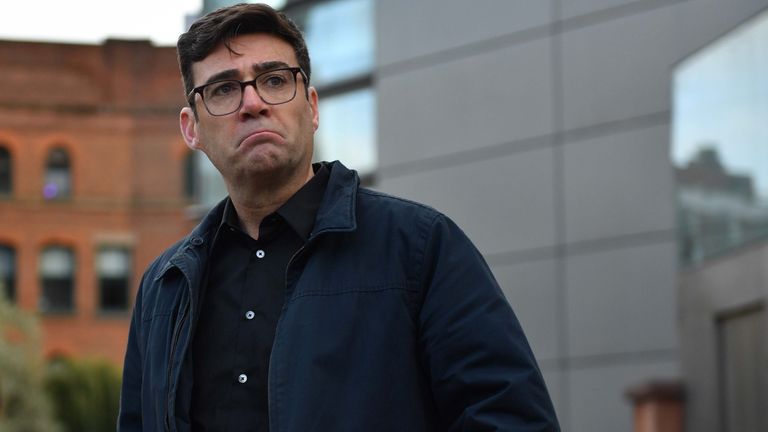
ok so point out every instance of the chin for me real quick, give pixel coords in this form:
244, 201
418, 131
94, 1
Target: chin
271, 165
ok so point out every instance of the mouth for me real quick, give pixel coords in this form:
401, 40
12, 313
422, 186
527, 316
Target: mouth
260, 136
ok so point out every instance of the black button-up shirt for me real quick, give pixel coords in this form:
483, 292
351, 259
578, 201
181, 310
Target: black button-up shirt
241, 305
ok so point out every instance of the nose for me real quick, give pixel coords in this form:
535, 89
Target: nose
252, 104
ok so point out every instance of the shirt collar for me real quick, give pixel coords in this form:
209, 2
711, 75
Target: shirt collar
299, 211
230, 215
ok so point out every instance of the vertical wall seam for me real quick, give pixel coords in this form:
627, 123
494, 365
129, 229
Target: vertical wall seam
556, 35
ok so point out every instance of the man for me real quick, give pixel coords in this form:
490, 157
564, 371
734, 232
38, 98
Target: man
303, 302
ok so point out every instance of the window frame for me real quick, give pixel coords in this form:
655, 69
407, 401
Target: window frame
11, 294
43, 279
99, 279
66, 167
6, 178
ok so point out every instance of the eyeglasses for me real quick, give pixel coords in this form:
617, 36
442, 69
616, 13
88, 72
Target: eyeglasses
274, 87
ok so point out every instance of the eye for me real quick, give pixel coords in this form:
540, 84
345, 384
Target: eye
222, 89
274, 80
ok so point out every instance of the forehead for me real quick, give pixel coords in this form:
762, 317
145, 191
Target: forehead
246, 51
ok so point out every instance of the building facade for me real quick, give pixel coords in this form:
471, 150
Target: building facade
92, 184
543, 128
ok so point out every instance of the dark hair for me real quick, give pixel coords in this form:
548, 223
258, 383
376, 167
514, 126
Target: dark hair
222, 25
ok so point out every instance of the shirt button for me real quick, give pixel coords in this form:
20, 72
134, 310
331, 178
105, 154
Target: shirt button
242, 378
249, 315
260, 254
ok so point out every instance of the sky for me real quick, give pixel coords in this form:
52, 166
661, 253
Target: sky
93, 21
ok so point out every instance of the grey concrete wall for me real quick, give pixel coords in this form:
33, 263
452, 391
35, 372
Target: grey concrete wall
542, 128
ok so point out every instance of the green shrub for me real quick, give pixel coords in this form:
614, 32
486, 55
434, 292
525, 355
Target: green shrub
85, 394
23, 404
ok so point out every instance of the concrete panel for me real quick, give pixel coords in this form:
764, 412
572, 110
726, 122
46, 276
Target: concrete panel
504, 204
618, 184
573, 8
596, 395
556, 382
622, 68
707, 20
531, 288
409, 29
465, 104
622, 300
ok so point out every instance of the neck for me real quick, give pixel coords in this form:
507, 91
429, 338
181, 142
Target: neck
255, 199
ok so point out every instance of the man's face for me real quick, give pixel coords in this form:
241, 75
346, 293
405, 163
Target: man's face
258, 139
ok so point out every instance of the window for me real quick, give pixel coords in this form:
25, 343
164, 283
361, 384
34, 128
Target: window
57, 271
348, 130
6, 172
339, 35
113, 267
340, 38
58, 176
8, 273
719, 144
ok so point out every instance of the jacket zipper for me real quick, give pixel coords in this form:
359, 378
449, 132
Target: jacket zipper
174, 343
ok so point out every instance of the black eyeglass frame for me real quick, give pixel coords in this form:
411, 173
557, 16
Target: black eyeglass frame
243, 84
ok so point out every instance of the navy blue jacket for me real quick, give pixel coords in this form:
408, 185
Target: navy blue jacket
392, 322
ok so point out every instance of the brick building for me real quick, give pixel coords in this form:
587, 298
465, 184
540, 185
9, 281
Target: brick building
93, 183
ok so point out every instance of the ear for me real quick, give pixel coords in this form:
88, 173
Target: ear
188, 124
313, 107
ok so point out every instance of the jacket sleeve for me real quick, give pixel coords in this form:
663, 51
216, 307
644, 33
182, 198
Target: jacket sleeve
129, 418
481, 369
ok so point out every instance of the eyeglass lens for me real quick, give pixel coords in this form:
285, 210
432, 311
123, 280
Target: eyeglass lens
274, 87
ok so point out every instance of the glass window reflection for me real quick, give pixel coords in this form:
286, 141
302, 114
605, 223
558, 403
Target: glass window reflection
339, 36
113, 266
720, 143
58, 175
347, 130
57, 271
6, 172
8, 273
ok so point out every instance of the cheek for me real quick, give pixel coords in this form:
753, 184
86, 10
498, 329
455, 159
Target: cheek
210, 136
309, 121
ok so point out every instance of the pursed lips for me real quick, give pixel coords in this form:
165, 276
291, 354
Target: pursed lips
260, 136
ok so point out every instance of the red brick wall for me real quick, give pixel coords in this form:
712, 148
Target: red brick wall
114, 108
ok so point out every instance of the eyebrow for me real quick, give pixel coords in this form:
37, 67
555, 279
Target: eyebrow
235, 73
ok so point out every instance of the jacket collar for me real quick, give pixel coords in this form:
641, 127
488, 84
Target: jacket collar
199, 239
336, 214
337, 209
